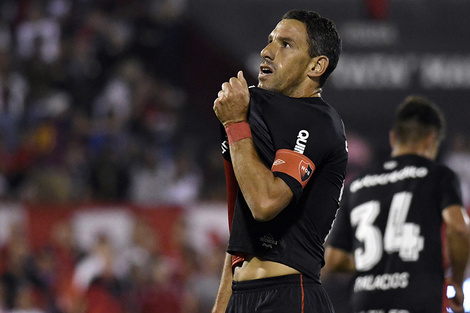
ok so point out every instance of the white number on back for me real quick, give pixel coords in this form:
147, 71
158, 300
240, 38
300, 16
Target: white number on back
399, 236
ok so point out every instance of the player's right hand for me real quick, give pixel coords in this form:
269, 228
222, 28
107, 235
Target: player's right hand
231, 105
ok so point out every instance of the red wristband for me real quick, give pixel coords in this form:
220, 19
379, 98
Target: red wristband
237, 131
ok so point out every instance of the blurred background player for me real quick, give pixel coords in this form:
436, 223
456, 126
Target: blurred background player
388, 229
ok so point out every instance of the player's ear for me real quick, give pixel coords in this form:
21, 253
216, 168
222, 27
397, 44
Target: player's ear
432, 142
431, 139
391, 138
318, 66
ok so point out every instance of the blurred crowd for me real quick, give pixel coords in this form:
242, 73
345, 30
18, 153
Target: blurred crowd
91, 101
62, 277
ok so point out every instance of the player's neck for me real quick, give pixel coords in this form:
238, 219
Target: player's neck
304, 91
316, 92
308, 94
420, 150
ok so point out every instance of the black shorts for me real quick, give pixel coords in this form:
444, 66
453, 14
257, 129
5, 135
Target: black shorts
283, 294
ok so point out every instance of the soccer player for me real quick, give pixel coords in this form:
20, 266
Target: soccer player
285, 154
388, 229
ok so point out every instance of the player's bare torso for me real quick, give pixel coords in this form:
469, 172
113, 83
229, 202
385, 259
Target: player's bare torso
256, 268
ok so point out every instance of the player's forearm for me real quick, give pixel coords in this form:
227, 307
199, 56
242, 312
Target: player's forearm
265, 194
459, 249
458, 240
225, 287
337, 260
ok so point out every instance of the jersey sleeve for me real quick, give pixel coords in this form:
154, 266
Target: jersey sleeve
297, 169
293, 184
294, 168
450, 187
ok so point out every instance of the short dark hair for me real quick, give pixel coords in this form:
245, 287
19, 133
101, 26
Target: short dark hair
415, 118
323, 38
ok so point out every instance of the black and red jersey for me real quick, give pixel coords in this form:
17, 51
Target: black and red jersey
390, 219
311, 127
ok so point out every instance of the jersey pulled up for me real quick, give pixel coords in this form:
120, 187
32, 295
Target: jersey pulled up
390, 219
296, 236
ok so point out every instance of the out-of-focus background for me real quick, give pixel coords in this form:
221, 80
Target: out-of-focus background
111, 179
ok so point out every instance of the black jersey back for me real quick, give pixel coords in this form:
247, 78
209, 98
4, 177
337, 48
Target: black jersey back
312, 127
391, 218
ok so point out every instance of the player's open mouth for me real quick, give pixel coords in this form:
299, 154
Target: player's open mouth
265, 70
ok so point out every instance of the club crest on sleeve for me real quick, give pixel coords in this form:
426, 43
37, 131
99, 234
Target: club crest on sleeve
305, 170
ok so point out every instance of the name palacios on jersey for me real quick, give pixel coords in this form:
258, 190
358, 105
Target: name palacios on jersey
388, 281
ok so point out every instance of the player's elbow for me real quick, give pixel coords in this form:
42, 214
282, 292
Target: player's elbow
457, 223
266, 203
461, 231
265, 209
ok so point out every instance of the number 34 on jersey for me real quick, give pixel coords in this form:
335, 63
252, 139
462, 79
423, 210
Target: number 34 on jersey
399, 236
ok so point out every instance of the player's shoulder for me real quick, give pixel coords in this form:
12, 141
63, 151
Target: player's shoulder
444, 171
257, 93
434, 167
274, 99
314, 111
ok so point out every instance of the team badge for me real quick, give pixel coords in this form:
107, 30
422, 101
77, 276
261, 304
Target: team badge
305, 170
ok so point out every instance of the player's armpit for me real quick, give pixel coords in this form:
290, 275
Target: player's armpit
293, 164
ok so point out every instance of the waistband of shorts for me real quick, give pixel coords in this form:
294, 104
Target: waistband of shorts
273, 282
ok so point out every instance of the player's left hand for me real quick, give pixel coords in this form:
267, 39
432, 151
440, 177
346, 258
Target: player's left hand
231, 105
456, 302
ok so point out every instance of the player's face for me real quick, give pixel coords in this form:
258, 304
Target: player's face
286, 60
